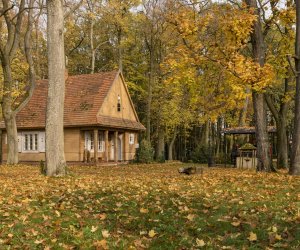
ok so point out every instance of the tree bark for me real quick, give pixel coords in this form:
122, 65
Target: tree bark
258, 49
8, 48
262, 140
282, 143
295, 155
281, 126
55, 156
9, 116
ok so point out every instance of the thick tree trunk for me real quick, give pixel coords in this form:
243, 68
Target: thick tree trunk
262, 140
12, 135
264, 162
295, 155
9, 116
55, 156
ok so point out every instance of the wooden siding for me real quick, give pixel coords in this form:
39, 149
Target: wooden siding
74, 147
109, 106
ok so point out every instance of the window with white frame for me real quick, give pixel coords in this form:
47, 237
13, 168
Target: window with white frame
30, 142
33, 141
89, 141
131, 139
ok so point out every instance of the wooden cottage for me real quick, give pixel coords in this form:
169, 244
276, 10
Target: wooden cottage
99, 114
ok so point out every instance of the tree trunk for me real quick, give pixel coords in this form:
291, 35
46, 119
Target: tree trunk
9, 116
171, 146
93, 51
282, 143
12, 135
295, 155
243, 112
260, 117
262, 140
205, 135
218, 137
281, 125
120, 50
160, 147
149, 98
55, 156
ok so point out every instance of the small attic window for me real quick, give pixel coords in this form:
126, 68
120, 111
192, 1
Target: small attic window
119, 103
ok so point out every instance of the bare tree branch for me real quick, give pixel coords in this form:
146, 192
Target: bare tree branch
291, 65
3, 12
72, 10
28, 54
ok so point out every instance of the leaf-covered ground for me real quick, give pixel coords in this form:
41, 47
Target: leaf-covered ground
148, 206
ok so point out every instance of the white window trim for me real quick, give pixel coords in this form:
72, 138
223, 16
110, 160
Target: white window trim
89, 144
21, 141
23, 150
131, 138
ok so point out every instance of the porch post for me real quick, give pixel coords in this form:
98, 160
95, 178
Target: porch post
125, 146
116, 146
106, 145
96, 146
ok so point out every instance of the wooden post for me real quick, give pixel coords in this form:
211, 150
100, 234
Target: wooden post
96, 146
116, 146
106, 145
125, 146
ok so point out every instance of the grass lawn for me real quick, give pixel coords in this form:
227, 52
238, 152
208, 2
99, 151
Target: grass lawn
148, 207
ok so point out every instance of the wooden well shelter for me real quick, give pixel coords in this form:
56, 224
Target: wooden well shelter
248, 131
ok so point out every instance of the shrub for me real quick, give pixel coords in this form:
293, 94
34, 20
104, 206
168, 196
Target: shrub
145, 152
203, 154
200, 154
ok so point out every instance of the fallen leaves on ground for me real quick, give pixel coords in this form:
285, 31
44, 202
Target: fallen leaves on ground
148, 206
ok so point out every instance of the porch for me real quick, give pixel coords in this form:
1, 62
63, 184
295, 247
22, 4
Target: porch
111, 146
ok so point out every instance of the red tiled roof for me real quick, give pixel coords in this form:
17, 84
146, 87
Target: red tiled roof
84, 95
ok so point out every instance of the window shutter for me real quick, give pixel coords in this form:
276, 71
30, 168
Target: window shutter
20, 142
41, 142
